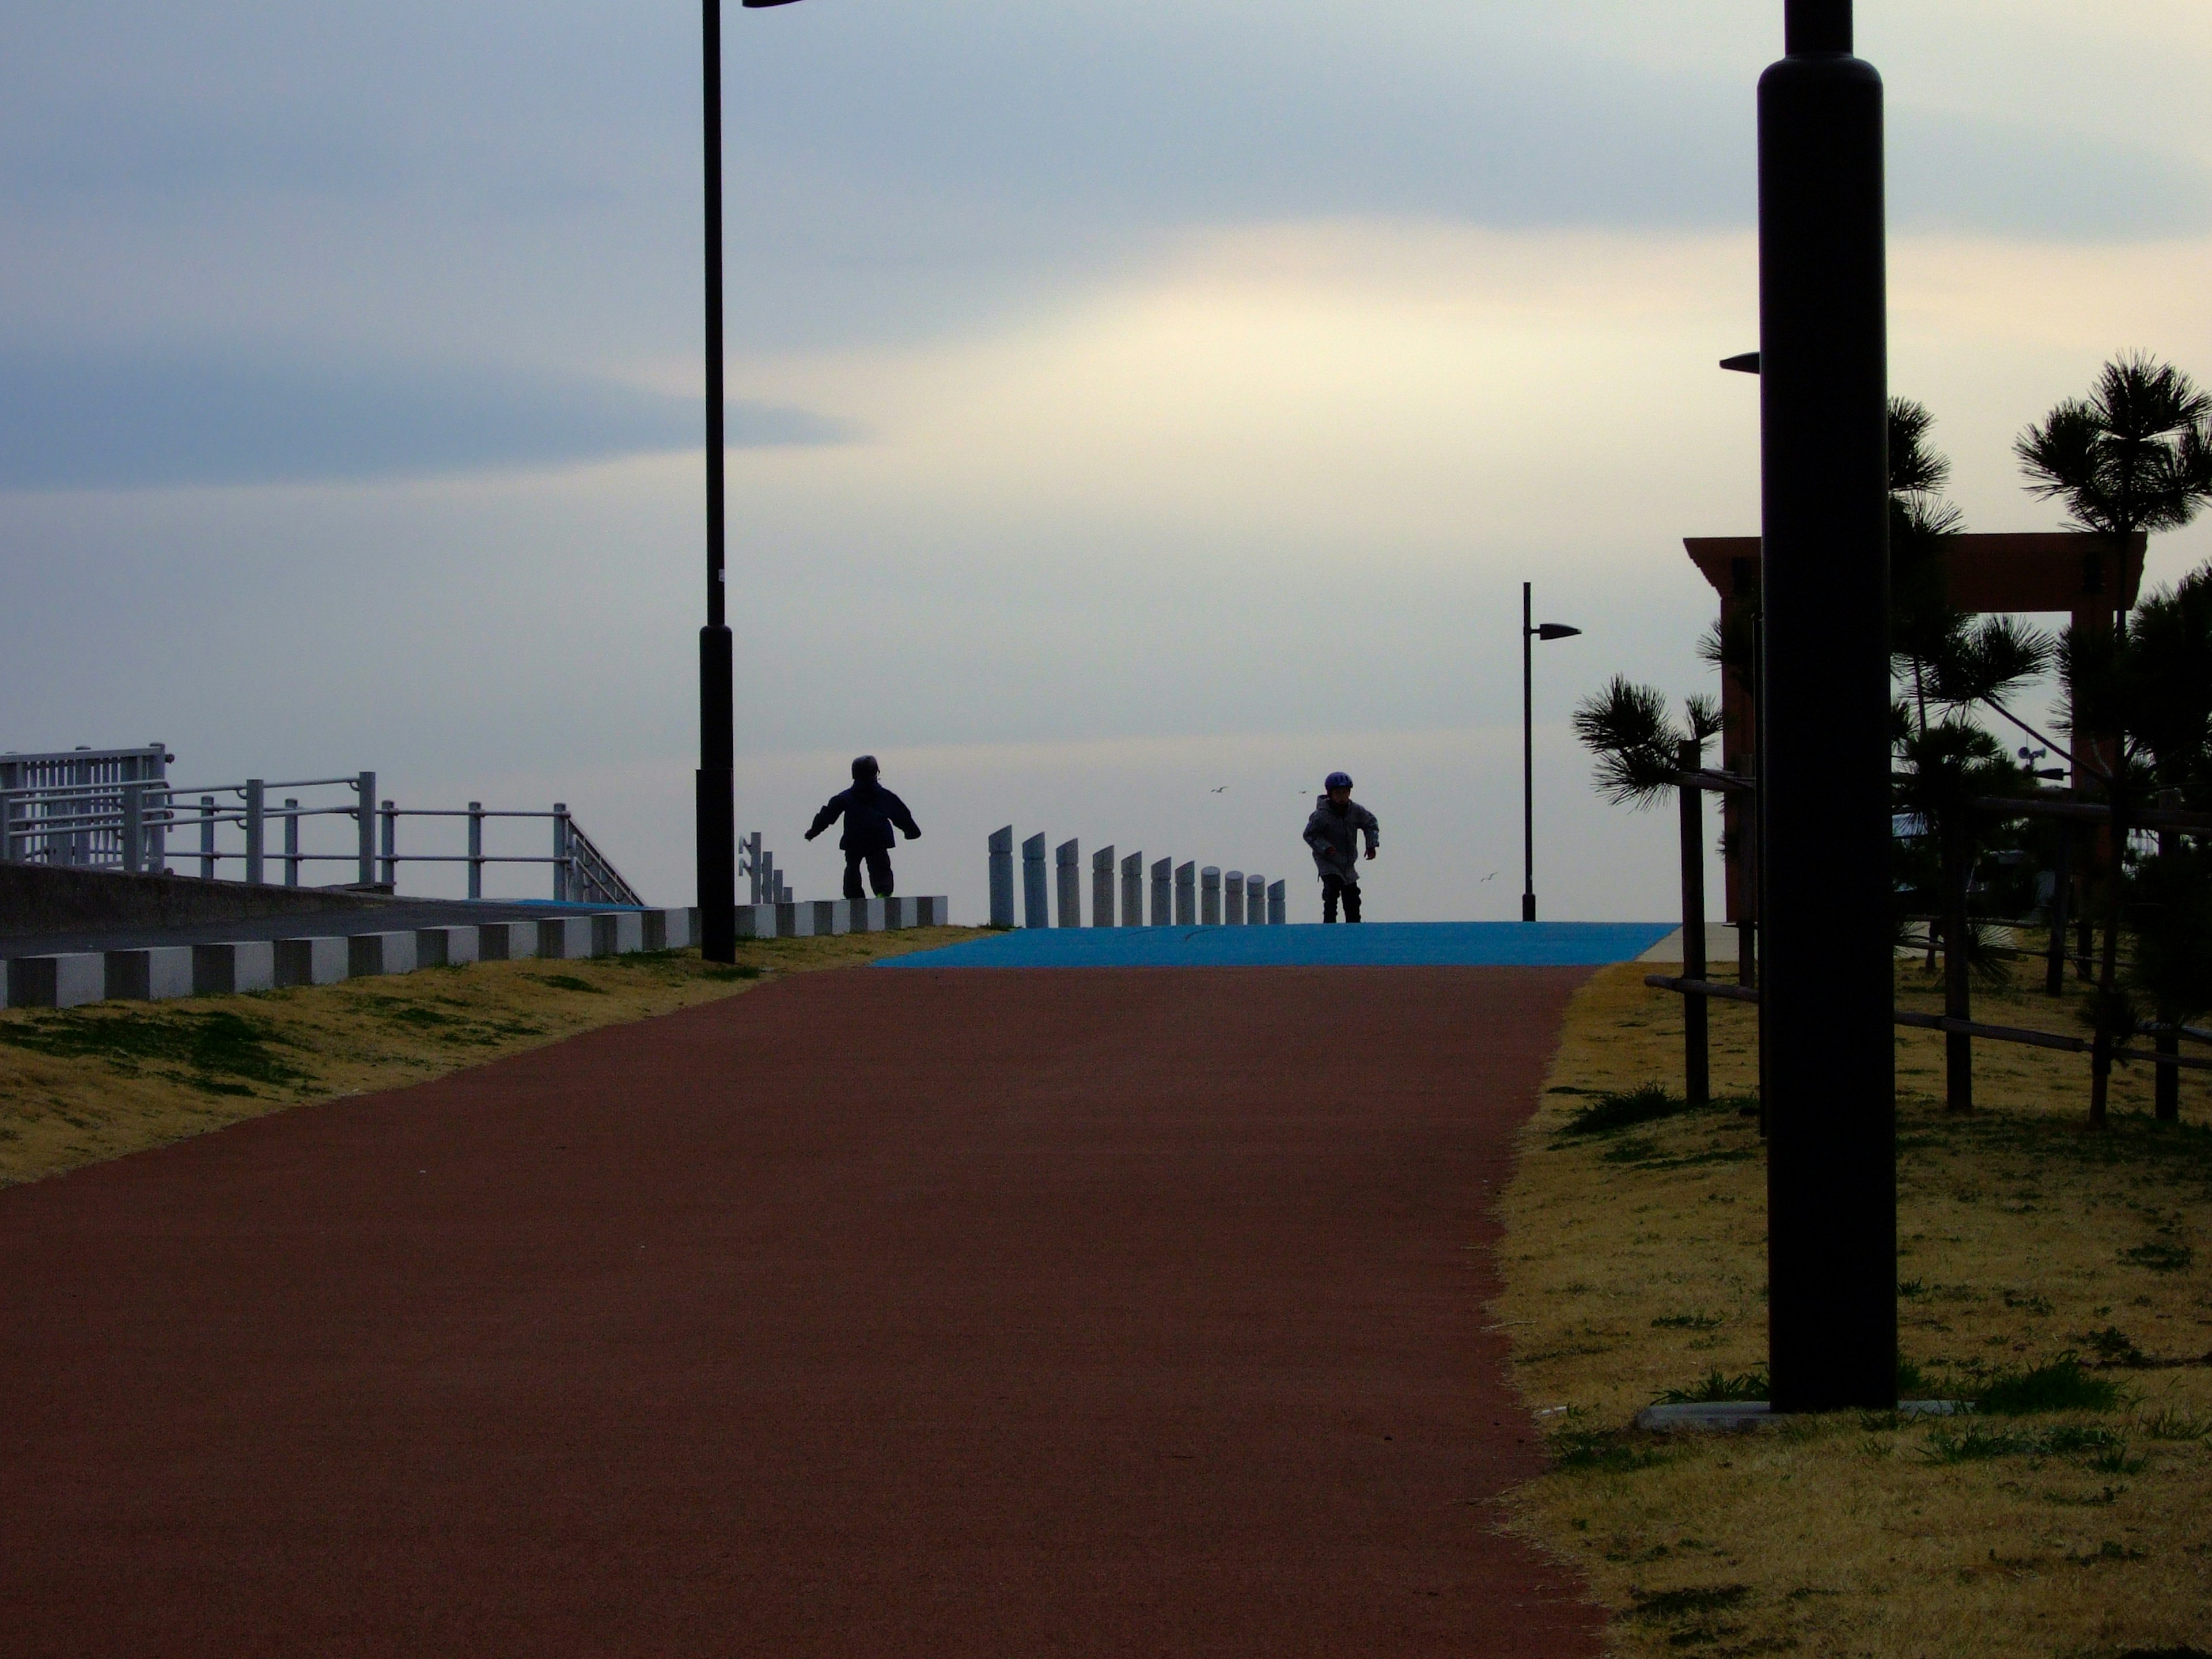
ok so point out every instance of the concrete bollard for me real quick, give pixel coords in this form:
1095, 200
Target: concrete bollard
318, 961
1002, 876
794, 920
1279, 904
829, 917
368, 954
1067, 880
222, 971
68, 981
1186, 895
1209, 896
565, 938
1232, 899
506, 941
933, 911
1133, 890
154, 974
756, 921
1256, 900
1035, 902
1162, 890
666, 930
445, 947
873, 915
617, 933
1102, 887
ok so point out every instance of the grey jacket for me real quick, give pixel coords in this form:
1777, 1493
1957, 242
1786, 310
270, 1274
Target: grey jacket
1334, 837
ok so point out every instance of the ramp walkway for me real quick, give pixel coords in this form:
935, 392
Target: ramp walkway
1307, 945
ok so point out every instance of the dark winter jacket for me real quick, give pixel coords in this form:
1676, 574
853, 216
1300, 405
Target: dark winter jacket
1333, 835
869, 811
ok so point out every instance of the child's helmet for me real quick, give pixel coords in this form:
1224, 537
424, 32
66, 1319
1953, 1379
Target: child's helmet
1339, 781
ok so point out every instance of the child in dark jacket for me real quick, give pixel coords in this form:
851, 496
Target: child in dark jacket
1333, 833
869, 811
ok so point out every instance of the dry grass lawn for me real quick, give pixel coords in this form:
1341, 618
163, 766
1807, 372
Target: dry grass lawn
87, 1084
1635, 1263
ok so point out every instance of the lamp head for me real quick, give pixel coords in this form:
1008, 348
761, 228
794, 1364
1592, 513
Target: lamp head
1555, 631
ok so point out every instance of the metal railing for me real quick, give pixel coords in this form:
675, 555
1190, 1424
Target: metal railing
116, 810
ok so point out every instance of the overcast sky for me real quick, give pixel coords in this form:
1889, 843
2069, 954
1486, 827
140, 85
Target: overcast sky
1140, 409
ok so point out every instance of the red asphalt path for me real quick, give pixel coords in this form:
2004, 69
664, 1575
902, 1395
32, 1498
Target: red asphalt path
1114, 1312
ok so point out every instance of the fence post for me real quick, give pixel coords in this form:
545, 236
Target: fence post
2061, 878
291, 842
257, 830
561, 874
1162, 912
1133, 890
1958, 1047
1067, 873
750, 852
1002, 876
1279, 904
2166, 1080
1037, 908
1696, 1074
134, 826
1102, 887
388, 866
1232, 899
7, 827
365, 818
207, 838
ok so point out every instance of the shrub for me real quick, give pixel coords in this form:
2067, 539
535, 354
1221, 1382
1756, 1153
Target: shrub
2060, 1386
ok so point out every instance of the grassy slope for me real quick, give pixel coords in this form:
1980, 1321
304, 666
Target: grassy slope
94, 1083
1634, 1261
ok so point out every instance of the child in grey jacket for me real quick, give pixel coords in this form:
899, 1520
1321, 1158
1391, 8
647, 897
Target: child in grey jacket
1333, 833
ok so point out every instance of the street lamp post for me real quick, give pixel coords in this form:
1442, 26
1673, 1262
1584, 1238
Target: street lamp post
715, 802
1529, 635
1827, 1044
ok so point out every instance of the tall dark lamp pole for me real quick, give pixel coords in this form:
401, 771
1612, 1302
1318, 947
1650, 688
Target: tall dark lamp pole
1826, 1038
715, 799
1529, 635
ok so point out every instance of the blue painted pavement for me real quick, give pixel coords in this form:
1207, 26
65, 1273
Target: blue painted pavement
1375, 944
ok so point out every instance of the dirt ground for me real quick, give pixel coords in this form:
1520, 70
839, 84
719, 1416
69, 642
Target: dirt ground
89, 1084
1634, 1262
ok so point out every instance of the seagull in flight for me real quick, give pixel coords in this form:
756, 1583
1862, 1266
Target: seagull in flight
1216, 792
1492, 876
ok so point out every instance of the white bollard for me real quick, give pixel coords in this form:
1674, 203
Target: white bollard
1133, 890
155, 975
1232, 899
1255, 900
368, 954
318, 961
565, 938
1102, 887
233, 969
68, 981
1209, 903
1279, 905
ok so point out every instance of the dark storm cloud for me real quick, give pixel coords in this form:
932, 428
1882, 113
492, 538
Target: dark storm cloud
73, 421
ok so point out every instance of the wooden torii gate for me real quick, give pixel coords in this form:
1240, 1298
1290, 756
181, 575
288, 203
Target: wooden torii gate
2075, 572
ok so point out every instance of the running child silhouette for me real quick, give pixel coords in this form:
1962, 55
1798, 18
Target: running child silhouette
869, 811
1333, 833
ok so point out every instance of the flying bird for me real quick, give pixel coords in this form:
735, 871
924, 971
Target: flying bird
1492, 876
1216, 792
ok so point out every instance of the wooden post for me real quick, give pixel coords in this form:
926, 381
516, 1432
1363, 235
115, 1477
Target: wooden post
1697, 1077
2166, 1082
1958, 1047
2062, 879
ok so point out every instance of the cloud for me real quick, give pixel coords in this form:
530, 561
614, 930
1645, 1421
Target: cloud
76, 421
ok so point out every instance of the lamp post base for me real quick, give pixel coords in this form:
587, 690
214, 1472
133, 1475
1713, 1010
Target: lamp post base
1527, 906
